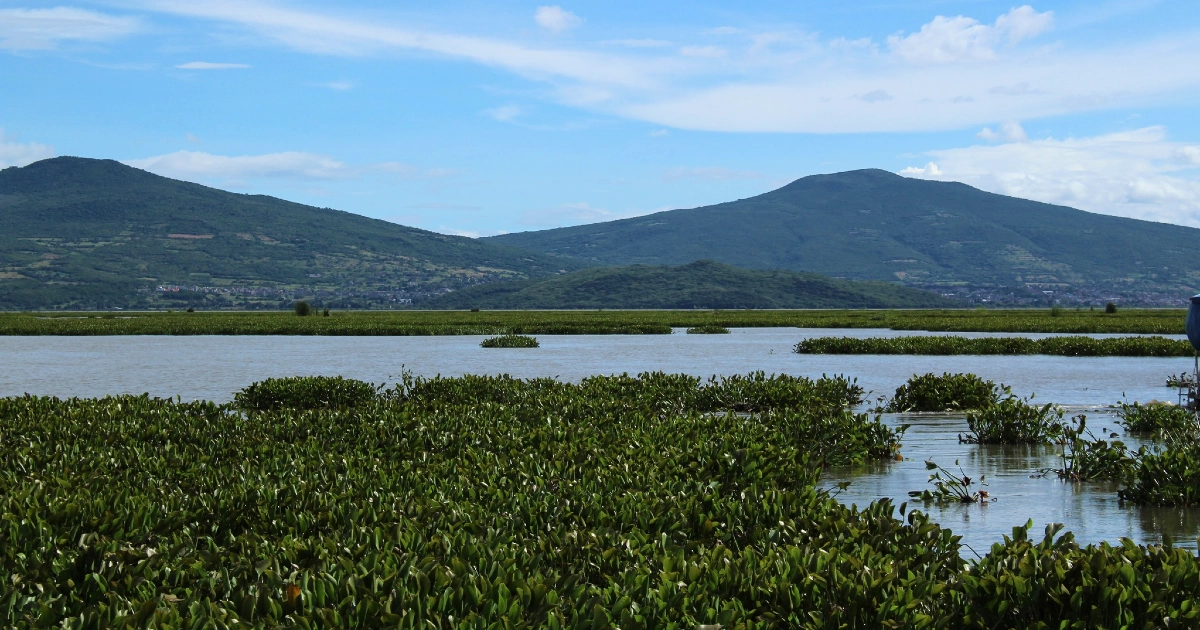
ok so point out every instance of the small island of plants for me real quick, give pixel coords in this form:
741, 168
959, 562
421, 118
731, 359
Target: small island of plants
509, 341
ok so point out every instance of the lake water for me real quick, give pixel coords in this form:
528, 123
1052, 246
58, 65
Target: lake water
213, 368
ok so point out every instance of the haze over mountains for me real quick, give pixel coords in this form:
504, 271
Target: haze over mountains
84, 233
701, 284
872, 224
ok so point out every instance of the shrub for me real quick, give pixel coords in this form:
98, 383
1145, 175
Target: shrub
708, 329
948, 392
1056, 311
509, 341
1155, 418
302, 308
1170, 477
306, 392
1110, 308
1014, 421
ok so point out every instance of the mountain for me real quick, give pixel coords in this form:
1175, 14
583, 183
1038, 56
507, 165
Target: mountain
702, 284
83, 233
871, 224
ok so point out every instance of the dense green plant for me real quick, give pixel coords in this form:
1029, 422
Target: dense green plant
302, 308
949, 487
1110, 308
1150, 321
435, 507
1156, 418
1073, 346
305, 392
1086, 457
1169, 477
948, 392
708, 329
509, 341
1012, 420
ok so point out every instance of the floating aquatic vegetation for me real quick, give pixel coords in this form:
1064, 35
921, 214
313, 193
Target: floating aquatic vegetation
1074, 346
509, 341
948, 392
1012, 420
949, 487
1086, 457
708, 329
306, 392
1156, 418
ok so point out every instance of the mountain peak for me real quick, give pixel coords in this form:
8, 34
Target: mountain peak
68, 171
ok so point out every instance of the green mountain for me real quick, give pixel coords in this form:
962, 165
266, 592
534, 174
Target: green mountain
83, 233
871, 224
702, 284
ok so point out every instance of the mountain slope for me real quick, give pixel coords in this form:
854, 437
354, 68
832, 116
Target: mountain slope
86, 233
702, 284
872, 224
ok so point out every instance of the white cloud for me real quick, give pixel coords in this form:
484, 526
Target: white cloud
556, 19
190, 165
1139, 173
875, 96
812, 86
658, 133
577, 213
708, 173
13, 153
1011, 131
704, 52
724, 30
637, 43
952, 39
504, 113
206, 65
34, 29
203, 167
340, 86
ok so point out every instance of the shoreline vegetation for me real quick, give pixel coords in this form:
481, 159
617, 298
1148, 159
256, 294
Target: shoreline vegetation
598, 322
482, 501
943, 345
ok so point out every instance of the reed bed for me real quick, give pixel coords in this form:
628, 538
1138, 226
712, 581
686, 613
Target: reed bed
953, 345
1140, 321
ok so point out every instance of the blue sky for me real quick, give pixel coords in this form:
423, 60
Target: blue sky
479, 118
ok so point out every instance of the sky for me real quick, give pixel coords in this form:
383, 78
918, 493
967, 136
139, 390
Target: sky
480, 118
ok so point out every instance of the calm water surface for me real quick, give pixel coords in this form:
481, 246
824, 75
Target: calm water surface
213, 368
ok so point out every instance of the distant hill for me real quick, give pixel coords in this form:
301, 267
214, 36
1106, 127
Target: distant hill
83, 233
702, 284
871, 224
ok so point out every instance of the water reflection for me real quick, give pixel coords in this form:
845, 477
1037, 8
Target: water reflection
1014, 477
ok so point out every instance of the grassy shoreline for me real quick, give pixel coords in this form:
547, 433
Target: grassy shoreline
396, 323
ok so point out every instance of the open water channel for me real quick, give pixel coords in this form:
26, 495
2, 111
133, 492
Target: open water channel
214, 367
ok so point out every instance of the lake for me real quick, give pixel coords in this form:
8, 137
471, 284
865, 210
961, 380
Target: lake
213, 368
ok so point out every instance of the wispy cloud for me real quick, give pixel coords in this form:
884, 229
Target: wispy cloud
208, 65
556, 19
203, 167
340, 86
951, 73
504, 113
13, 153
34, 29
576, 213
637, 43
1138, 173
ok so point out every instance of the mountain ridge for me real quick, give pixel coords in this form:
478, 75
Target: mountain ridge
876, 225
85, 233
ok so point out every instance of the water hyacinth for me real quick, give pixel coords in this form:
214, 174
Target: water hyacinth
952, 345
1014, 421
509, 341
638, 502
948, 392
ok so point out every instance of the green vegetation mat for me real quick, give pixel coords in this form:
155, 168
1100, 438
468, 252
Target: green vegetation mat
481, 502
947, 345
1145, 321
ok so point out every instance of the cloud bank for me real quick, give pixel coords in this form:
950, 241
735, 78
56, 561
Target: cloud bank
1138, 174
13, 153
40, 29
